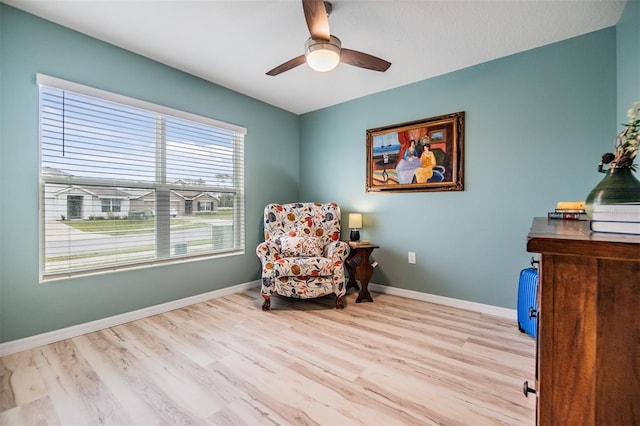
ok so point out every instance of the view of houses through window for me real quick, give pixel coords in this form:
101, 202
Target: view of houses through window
126, 183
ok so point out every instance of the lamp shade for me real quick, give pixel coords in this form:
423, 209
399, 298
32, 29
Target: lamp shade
355, 220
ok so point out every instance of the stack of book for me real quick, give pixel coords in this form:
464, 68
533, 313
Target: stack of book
569, 210
623, 218
355, 244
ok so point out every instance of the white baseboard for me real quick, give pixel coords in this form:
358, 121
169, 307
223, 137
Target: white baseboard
89, 327
497, 311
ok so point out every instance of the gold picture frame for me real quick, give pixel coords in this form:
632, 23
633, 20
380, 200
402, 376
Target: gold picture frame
421, 155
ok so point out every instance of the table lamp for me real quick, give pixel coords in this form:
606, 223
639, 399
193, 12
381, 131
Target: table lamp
355, 223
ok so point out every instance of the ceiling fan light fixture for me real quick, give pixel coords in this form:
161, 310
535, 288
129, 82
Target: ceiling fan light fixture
323, 55
322, 51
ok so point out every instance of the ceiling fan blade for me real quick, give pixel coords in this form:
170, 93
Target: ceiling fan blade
287, 65
317, 21
363, 60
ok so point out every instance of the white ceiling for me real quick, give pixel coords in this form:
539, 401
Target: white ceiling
234, 42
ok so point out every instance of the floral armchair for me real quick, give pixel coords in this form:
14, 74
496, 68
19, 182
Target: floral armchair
302, 255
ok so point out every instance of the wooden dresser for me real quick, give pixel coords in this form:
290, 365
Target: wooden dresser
588, 340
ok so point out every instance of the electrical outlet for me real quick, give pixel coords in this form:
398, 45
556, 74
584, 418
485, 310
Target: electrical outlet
412, 257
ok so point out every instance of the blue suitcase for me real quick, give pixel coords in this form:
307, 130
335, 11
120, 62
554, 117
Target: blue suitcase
528, 301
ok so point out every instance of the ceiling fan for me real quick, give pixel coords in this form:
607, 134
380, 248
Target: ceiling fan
323, 51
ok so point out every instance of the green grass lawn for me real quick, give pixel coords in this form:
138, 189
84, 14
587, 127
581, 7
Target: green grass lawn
121, 227
111, 226
139, 249
125, 227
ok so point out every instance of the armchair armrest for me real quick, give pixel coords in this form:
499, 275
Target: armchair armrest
337, 251
268, 251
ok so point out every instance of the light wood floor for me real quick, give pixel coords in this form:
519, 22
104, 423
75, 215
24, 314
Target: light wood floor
392, 362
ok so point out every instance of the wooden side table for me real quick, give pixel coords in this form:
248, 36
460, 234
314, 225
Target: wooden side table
363, 271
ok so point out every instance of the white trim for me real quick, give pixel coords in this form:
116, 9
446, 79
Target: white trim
57, 83
89, 327
510, 314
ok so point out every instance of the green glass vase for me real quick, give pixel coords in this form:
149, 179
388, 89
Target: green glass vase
618, 186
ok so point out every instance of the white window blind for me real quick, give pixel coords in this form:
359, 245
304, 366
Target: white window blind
123, 182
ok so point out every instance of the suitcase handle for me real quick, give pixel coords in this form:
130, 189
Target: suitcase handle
533, 313
534, 262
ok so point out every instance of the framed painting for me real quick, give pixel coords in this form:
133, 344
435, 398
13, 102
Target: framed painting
422, 155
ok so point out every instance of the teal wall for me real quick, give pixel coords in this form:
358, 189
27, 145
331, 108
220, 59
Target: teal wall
30, 45
536, 126
628, 59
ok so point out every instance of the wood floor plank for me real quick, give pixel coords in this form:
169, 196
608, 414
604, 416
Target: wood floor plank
242, 412
78, 395
126, 357
20, 369
171, 372
117, 377
7, 396
184, 338
368, 409
39, 412
169, 358
226, 362
262, 386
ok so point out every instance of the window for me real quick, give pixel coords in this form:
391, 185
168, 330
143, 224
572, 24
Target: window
205, 206
111, 205
119, 178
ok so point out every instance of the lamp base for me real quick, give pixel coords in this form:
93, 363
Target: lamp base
355, 235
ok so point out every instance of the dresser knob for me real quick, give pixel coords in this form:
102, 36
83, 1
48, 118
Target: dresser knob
527, 390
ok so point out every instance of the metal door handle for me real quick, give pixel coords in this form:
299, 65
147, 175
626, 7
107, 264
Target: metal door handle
527, 390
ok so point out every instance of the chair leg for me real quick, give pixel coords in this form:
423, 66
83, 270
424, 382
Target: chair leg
339, 303
267, 303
